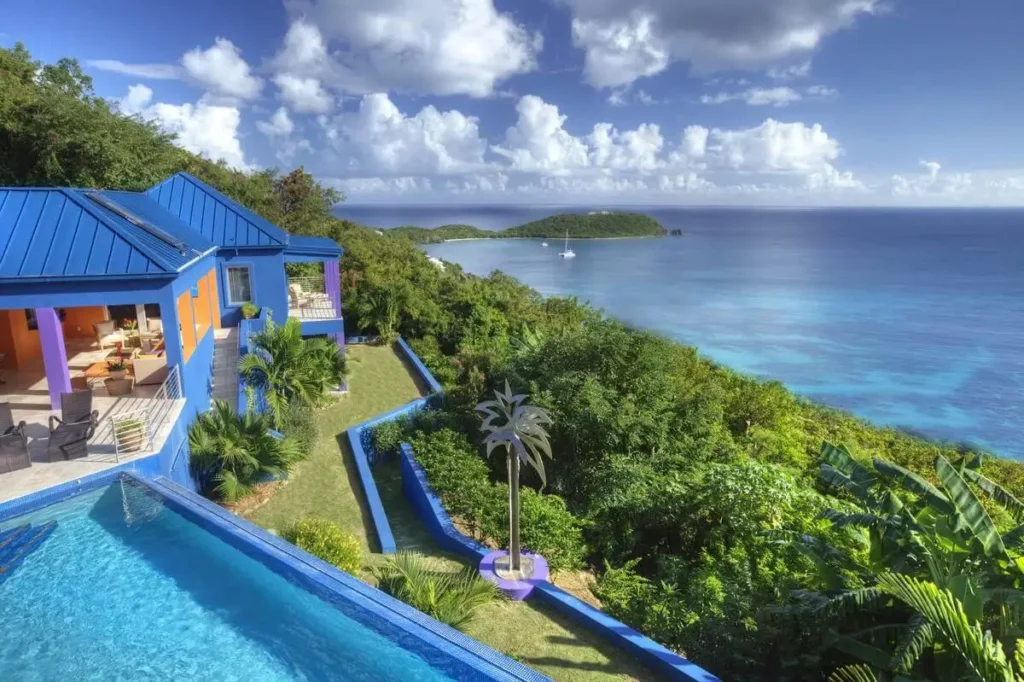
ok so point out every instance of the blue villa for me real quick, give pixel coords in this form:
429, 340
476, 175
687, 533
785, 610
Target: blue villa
120, 319
122, 315
157, 279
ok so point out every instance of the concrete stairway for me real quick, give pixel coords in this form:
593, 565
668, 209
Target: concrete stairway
225, 365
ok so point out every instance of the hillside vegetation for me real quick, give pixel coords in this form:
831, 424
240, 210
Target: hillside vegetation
579, 226
703, 499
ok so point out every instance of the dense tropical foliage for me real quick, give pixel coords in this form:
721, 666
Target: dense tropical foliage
230, 452
697, 494
288, 370
601, 225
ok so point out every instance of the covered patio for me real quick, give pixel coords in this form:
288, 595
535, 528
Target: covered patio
87, 384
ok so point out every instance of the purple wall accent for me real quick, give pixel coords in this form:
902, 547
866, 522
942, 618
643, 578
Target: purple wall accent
55, 358
332, 282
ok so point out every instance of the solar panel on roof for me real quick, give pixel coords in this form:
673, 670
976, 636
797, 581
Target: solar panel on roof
135, 220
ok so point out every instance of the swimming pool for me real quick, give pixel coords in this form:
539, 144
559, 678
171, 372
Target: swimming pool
130, 586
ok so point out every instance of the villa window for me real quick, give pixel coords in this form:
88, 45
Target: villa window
239, 284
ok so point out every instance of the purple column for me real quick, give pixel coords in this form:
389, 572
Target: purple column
55, 358
332, 282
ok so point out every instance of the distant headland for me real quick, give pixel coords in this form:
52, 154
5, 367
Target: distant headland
593, 225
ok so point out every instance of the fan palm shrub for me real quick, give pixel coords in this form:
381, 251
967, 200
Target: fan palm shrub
288, 369
232, 452
518, 428
936, 593
448, 597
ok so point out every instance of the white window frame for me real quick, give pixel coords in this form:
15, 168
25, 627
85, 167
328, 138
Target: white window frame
227, 283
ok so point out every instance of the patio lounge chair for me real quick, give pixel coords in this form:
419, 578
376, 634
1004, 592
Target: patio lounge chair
70, 433
13, 442
106, 334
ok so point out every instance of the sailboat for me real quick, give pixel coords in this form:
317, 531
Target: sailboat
568, 253
543, 243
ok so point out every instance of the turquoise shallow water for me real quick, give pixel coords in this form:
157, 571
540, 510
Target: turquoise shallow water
913, 318
162, 599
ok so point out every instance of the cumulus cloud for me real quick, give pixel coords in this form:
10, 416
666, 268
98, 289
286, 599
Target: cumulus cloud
279, 125
626, 41
222, 70
931, 181
539, 143
204, 128
442, 47
138, 98
381, 139
304, 95
774, 146
637, 150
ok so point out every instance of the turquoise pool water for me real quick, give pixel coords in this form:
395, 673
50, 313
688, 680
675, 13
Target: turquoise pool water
127, 589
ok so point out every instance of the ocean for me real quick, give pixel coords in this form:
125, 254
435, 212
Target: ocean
907, 317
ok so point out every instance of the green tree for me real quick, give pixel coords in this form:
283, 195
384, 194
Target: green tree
290, 370
519, 428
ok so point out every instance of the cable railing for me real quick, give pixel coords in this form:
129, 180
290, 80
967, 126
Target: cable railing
308, 299
136, 430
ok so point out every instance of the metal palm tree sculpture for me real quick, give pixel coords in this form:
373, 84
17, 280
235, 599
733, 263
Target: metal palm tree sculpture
520, 429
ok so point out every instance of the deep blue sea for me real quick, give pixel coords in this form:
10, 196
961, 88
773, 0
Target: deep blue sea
913, 318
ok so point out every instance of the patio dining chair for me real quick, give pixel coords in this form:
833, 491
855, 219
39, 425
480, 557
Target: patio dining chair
13, 442
70, 433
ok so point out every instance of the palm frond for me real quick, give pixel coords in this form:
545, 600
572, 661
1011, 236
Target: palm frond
853, 673
980, 652
918, 638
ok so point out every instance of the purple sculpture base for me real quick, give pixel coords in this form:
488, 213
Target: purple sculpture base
516, 590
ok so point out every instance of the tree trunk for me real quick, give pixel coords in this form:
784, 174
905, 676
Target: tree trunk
513, 508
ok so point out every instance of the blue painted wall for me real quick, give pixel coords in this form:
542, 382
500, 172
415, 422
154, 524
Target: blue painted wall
269, 283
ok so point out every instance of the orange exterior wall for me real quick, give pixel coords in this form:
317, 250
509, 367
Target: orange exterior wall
78, 322
21, 345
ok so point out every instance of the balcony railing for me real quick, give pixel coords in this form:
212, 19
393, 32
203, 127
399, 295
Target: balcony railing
138, 430
308, 299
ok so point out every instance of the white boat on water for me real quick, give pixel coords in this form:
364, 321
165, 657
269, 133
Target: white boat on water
568, 253
543, 243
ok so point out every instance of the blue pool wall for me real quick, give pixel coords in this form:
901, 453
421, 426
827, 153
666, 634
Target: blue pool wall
457, 655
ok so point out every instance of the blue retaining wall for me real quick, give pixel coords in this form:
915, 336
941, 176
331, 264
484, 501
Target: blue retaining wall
431, 512
365, 455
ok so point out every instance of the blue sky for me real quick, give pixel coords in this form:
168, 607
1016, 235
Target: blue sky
753, 102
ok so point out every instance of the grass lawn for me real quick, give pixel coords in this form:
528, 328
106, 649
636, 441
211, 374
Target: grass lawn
326, 485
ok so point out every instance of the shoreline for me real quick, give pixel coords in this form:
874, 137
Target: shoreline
539, 239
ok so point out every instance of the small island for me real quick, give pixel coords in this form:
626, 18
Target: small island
595, 225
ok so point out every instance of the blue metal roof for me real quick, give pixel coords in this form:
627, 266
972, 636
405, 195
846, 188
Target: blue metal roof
313, 246
61, 234
220, 219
